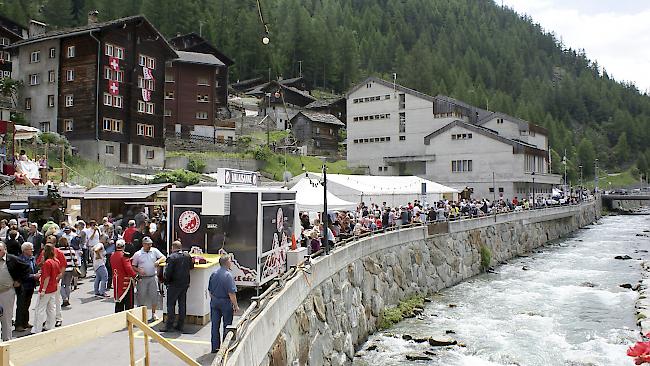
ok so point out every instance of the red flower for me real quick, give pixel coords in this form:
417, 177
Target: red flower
640, 351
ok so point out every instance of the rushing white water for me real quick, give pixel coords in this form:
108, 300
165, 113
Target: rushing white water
546, 315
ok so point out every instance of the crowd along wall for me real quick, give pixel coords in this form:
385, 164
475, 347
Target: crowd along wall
320, 316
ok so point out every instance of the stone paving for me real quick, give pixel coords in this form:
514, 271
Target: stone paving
113, 349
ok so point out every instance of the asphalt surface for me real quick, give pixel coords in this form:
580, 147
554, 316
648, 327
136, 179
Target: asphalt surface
113, 349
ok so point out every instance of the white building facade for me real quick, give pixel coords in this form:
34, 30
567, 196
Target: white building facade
393, 130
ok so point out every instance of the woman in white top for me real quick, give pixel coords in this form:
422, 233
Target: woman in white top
99, 265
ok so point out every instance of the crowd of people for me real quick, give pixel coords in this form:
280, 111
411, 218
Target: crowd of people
50, 261
369, 218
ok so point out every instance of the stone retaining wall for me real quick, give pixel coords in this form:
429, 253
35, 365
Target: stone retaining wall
212, 164
320, 317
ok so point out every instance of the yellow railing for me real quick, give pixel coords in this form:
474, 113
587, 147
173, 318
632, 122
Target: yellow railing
23, 351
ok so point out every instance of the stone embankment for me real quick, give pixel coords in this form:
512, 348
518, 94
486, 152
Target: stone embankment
322, 315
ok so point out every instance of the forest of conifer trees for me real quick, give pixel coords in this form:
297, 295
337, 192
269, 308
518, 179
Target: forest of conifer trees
473, 50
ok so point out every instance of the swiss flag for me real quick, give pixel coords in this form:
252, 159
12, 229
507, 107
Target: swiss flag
114, 63
146, 72
113, 87
146, 95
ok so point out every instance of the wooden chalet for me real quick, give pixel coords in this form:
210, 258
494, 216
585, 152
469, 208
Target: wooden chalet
334, 106
110, 88
10, 32
319, 132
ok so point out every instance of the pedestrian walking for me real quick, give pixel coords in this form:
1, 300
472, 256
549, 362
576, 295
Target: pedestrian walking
223, 300
46, 303
99, 265
26, 289
12, 271
177, 279
123, 278
146, 262
68, 272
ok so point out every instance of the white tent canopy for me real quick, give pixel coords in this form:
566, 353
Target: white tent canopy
25, 132
309, 197
394, 190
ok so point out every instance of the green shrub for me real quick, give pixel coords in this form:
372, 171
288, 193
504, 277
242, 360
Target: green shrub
179, 177
394, 315
196, 165
486, 257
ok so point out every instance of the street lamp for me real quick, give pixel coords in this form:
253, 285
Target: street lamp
325, 216
596, 175
534, 201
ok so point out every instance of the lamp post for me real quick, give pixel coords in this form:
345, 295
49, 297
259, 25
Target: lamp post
580, 167
325, 218
596, 175
534, 200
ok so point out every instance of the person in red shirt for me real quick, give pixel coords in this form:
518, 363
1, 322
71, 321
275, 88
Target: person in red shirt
61, 261
123, 278
128, 233
46, 306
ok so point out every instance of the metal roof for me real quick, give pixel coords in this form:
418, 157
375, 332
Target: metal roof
124, 192
322, 103
198, 58
322, 118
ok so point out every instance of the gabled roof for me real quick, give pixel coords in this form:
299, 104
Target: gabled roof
321, 117
11, 26
523, 124
94, 27
322, 103
197, 41
198, 58
390, 85
482, 131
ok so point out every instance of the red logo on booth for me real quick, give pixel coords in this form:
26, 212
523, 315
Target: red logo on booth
189, 222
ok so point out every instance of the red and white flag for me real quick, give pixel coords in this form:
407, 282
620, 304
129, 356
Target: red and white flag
114, 63
113, 87
146, 72
146, 95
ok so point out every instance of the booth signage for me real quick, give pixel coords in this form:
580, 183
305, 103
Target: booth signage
189, 222
236, 177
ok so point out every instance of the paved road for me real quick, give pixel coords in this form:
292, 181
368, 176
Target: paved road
113, 349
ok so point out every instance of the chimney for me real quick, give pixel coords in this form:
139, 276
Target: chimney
36, 28
92, 17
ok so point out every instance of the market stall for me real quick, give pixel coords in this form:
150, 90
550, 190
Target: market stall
253, 225
309, 197
394, 190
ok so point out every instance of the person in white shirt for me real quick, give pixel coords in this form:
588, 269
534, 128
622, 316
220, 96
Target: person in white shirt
99, 265
92, 239
146, 261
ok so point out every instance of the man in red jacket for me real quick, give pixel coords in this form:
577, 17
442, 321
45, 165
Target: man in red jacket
123, 278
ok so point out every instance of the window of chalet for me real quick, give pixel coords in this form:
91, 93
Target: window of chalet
68, 125
149, 154
52, 52
50, 101
69, 75
34, 79
51, 76
169, 94
71, 51
35, 57
114, 51
146, 61
4, 41
69, 100
201, 115
110, 149
202, 98
28, 104
203, 81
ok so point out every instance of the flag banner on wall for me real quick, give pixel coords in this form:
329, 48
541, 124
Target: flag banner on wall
146, 95
113, 87
148, 75
114, 63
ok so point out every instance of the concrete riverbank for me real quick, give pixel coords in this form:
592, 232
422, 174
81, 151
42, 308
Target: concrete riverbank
322, 315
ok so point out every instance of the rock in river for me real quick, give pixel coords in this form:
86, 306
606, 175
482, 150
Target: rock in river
417, 357
623, 257
442, 341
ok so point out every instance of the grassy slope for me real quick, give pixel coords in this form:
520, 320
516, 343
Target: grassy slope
613, 180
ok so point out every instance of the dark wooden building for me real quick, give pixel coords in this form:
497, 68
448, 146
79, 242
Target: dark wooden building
10, 32
193, 42
191, 102
110, 88
319, 132
282, 102
334, 106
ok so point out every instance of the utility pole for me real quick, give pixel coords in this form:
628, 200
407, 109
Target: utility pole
325, 218
494, 189
596, 175
300, 68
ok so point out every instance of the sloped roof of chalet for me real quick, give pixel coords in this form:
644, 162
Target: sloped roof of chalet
480, 130
322, 118
198, 58
321, 103
265, 88
84, 29
390, 85
15, 25
202, 41
523, 124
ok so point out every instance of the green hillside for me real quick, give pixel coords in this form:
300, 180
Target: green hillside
473, 50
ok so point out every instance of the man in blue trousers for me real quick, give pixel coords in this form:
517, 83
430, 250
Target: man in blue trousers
223, 299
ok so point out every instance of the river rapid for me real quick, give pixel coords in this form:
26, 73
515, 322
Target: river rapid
561, 305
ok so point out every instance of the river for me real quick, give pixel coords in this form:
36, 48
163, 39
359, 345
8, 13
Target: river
561, 305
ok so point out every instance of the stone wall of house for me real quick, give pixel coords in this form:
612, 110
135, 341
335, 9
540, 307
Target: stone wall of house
320, 317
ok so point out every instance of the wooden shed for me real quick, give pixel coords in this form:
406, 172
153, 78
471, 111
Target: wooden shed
121, 200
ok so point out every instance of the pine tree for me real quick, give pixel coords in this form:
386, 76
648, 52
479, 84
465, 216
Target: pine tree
57, 13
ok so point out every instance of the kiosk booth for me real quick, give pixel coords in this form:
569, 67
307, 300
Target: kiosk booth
252, 224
